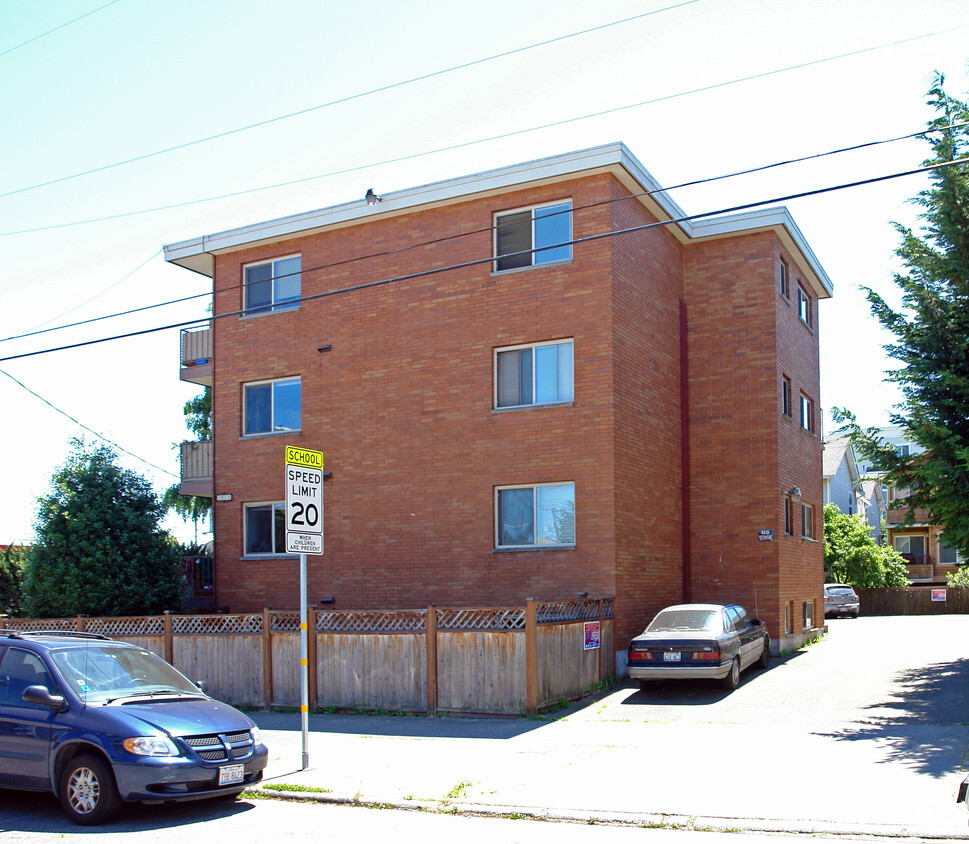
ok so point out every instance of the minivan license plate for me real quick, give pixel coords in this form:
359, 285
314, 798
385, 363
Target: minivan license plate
230, 774
671, 656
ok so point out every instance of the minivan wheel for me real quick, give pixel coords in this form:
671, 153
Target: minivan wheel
87, 790
732, 680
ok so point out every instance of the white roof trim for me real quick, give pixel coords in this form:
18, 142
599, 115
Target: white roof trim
198, 253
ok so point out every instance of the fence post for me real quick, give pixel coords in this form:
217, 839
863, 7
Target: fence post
311, 655
531, 657
169, 645
601, 637
79, 624
267, 658
430, 640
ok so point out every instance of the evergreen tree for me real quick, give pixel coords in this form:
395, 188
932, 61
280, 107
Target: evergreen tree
100, 549
931, 338
11, 580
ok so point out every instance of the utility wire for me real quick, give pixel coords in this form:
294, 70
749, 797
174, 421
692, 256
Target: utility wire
466, 264
56, 28
85, 427
466, 144
435, 241
389, 87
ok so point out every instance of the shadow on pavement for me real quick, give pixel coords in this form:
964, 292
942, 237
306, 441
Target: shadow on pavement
929, 697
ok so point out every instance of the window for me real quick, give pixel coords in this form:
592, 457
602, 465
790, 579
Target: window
808, 615
785, 291
804, 306
786, 395
265, 528
807, 413
21, 669
788, 617
902, 451
788, 516
527, 516
948, 556
807, 521
271, 406
272, 286
539, 374
911, 547
533, 236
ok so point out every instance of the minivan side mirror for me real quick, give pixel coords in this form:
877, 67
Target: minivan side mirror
41, 696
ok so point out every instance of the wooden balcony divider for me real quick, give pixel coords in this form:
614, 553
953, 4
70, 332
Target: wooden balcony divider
483, 660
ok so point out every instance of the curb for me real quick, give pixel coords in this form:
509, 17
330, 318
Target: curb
638, 819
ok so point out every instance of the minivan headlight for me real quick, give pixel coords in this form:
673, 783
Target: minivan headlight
150, 746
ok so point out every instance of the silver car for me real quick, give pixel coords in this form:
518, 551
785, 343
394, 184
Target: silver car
840, 599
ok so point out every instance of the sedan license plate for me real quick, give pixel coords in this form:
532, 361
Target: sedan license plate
231, 774
671, 656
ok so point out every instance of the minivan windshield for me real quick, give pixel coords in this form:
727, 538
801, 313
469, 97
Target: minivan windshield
102, 672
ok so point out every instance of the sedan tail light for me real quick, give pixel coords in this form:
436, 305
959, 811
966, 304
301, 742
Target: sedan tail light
710, 654
639, 656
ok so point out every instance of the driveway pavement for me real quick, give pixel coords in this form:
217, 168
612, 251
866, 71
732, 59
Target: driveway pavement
865, 732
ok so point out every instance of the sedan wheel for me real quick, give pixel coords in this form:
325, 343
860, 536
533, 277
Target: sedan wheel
87, 790
764, 654
732, 680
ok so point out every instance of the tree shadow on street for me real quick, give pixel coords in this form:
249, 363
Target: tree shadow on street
924, 723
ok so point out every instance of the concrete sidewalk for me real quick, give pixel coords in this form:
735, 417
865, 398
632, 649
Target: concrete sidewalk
613, 758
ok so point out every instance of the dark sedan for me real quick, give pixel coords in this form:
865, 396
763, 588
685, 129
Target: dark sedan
715, 641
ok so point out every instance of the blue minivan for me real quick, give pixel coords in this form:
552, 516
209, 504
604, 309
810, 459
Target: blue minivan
97, 722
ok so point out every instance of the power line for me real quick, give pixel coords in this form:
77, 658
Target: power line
435, 241
466, 144
56, 28
85, 427
389, 87
476, 262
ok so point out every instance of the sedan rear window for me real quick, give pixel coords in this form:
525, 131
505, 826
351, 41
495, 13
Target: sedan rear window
841, 590
706, 620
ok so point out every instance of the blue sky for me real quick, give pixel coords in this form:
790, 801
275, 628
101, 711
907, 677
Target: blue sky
85, 85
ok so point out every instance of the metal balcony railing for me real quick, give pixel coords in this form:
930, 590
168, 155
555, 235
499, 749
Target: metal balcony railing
196, 458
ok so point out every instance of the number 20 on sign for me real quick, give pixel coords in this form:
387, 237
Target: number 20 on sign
304, 501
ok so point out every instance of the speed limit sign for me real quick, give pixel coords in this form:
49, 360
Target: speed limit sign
304, 501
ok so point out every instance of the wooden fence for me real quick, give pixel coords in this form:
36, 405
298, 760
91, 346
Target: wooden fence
913, 600
484, 660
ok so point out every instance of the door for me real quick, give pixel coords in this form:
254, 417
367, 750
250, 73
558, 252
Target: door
25, 728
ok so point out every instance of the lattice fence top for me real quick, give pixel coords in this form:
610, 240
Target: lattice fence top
549, 612
481, 619
372, 621
122, 626
33, 625
201, 625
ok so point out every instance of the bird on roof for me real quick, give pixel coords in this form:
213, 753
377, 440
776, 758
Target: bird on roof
371, 197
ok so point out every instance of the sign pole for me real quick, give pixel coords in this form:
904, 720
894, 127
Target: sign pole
304, 706
304, 535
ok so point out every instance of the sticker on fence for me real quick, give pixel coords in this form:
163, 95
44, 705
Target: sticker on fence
938, 594
591, 637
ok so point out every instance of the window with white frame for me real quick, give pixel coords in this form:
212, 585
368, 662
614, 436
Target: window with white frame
271, 407
912, 547
807, 521
532, 236
808, 615
786, 396
807, 413
536, 374
784, 278
804, 306
788, 516
272, 285
538, 515
264, 528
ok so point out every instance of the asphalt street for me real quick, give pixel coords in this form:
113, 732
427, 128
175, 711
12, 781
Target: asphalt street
862, 733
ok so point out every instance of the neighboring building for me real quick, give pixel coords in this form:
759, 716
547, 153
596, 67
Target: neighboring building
536, 381
928, 556
841, 480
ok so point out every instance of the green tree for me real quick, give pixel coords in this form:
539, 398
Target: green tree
100, 549
930, 338
198, 420
11, 580
852, 556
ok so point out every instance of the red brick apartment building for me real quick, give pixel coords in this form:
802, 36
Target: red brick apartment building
538, 381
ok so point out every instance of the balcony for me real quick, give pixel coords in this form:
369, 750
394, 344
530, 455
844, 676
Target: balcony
196, 469
196, 355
